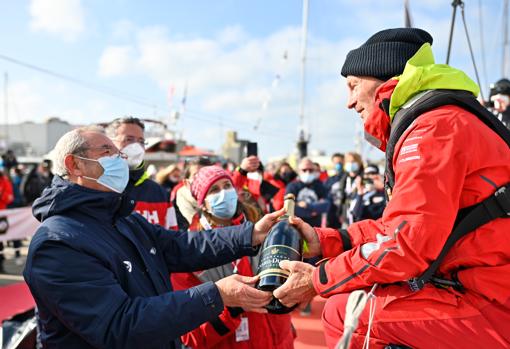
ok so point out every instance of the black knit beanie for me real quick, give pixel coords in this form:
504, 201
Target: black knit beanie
384, 54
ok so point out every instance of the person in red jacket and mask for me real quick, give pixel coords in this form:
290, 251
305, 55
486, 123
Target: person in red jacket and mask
238, 328
445, 160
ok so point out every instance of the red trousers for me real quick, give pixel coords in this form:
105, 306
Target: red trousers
430, 318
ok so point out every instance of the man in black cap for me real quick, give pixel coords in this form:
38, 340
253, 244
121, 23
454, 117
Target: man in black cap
499, 102
445, 154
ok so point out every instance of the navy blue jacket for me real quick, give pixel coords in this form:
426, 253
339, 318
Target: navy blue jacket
100, 275
313, 194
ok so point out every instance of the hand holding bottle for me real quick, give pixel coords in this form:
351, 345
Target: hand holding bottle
313, 245
299, 286
239, 291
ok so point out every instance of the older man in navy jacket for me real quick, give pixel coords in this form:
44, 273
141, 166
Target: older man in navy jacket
100, 275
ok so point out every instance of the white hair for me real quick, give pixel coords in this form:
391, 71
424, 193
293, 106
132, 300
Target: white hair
73, 142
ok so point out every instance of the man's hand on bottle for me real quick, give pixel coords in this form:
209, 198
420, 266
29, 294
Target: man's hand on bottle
313, 245
250, 163
264, 225
299, 286
239, 291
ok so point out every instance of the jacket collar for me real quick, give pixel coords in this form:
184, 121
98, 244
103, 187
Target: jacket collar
377, 124
138, 175
420, 74
63, 197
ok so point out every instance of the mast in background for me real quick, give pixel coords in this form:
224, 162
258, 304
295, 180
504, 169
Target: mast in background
304, 137
504, 57
6, 109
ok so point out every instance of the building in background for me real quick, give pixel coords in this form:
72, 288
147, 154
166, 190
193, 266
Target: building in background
33, 140
233, 149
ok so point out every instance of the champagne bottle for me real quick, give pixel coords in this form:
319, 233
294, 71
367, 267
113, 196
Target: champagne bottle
282, 243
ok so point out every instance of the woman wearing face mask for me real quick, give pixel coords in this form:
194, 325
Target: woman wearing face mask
353, 166
216, 196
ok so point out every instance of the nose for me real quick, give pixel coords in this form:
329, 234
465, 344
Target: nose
351, 100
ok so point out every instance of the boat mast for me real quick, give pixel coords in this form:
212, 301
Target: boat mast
6, 109
302, 143
504, 57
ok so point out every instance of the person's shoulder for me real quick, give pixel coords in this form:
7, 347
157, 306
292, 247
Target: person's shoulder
294, 186
151, 188
61, 229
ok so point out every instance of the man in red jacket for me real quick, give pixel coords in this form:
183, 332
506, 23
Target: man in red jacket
446, 160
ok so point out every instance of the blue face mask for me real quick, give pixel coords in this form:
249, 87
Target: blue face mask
338, 167
115, 172
351, 167
223, 204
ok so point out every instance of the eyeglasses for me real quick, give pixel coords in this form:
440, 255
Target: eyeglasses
131, 139
104, 150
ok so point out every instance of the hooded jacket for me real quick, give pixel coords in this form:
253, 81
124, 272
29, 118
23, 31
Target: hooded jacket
446, 160
100, 275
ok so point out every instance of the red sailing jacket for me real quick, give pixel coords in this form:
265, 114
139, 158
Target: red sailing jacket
447, 160
6, 193
278, 199
265, 330
152, 200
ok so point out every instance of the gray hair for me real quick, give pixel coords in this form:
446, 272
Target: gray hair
111, 128
73, 142
305, 159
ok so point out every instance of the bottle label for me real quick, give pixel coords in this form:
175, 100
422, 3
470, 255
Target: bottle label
271, 257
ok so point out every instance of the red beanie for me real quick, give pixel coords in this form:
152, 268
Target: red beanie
204, 179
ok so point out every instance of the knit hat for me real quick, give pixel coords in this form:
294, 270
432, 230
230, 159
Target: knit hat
204, 179
384, 54
501, 87
371, 169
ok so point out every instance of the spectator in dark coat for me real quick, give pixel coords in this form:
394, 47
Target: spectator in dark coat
310, 194
369, 201
34, 182
335, 188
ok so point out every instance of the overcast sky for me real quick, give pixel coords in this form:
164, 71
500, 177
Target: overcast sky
227, 52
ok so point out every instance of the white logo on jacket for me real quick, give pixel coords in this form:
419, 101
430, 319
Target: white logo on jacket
128, 265
151, 216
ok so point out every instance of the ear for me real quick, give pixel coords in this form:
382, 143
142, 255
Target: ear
72, 166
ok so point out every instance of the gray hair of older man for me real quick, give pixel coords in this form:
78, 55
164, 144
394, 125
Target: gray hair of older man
111, 129
73, 142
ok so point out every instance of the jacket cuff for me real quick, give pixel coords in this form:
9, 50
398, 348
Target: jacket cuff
331, 242
245, 240
235, 311
211, 298
242, 172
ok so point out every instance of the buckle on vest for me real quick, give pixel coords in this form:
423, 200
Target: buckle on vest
502, 196
415, 284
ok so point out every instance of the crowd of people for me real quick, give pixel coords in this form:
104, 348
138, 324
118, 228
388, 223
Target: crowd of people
198, 195
181, 272
20, 185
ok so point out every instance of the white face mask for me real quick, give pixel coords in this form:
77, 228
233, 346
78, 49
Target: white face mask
135, 153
